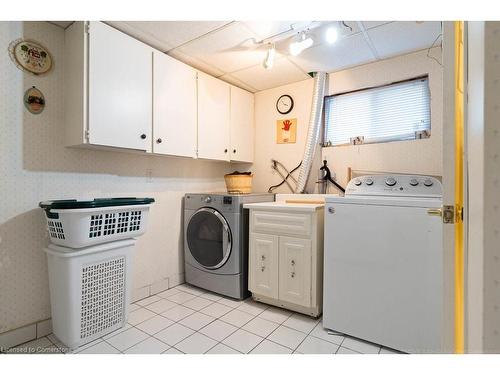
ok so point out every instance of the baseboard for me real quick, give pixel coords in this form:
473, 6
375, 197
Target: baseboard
24, 334
43, 328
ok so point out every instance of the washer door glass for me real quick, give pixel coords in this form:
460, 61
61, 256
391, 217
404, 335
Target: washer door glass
209, 238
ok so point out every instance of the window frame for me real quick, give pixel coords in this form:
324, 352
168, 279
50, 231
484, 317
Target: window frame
327, 143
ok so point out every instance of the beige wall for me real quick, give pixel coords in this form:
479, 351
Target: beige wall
422, 156
265, 133
35, 166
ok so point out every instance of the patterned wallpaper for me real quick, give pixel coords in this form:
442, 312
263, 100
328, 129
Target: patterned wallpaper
35, 166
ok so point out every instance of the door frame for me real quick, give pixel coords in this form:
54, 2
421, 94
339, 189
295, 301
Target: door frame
454, 183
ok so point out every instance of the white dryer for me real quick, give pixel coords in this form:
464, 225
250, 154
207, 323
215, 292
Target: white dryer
383, 262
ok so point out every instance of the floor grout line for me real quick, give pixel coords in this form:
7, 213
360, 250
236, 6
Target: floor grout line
236, 306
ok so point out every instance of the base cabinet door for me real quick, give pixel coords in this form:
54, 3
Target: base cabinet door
295, 270
263, 265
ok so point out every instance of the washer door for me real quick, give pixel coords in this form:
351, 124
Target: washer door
209, 238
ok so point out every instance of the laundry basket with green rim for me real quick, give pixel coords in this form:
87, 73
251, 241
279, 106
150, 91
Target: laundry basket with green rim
80, 223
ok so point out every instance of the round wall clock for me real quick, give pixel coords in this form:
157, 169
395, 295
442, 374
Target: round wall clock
30, 56
284, 104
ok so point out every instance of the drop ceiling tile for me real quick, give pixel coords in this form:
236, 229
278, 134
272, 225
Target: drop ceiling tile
402, 37
282, 73
195, 63
230, 48
266, 29
346, 52
235, 81
63, 24
346, 29
372, 24
166, 35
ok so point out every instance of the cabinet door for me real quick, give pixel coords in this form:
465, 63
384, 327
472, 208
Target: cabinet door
213, 118
242, 125
174, 107
263, 265
295, 270
120, 89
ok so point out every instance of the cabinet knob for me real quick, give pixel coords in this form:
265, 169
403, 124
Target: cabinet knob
159, 140
292, 275
293, 263
234, 151
143, 136
262, 268
263, 257
225, 151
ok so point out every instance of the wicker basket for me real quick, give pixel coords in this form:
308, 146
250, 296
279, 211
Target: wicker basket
238, 183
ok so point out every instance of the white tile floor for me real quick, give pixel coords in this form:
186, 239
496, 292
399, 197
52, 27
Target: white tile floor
189, 320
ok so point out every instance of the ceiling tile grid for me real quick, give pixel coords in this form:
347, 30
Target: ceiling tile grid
234, 51
282, 73
402, 37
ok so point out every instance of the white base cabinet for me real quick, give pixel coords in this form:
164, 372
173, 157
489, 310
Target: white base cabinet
286, 256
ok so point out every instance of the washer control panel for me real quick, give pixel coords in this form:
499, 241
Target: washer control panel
395, 185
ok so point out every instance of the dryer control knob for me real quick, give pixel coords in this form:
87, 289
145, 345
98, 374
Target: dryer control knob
369, 181
208, 199
428, 182
357, 182
413, 182
390, 181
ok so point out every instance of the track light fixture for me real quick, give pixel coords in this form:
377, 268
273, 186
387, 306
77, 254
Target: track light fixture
269, 60
297, 47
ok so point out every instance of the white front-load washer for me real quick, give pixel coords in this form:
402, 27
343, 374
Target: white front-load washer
383, 262
216, 241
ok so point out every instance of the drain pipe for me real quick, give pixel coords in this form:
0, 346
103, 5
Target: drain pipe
313, 132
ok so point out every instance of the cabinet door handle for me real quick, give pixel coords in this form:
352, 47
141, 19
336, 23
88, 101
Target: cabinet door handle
262, 268
263, 257
225, 151
234, 151
293, 263
143, 136
292, 275
159, 140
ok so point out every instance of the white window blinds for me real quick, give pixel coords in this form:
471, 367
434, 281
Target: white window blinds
398, 111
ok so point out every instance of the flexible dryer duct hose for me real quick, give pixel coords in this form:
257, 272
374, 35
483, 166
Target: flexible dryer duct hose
313, 132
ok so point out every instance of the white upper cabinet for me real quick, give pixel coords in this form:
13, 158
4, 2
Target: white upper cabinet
108, 88
122, 93
174, 107
242, 125
213, 118
120, 89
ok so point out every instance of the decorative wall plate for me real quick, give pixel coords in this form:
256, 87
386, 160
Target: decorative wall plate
30, 56
34, 101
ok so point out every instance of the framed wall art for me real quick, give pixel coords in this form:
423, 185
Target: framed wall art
286, 131
34, 101
30, 56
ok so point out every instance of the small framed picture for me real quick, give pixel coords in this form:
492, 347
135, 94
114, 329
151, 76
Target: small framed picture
34, 101
286, 131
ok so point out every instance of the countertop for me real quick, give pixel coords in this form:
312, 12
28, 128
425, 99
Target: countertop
282, 206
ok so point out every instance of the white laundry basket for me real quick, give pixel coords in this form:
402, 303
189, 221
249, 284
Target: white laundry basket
78, 224
89, 290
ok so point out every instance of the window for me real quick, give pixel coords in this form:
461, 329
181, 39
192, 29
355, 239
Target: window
395, 112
